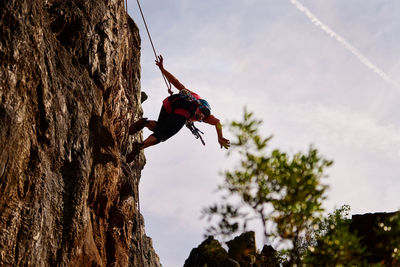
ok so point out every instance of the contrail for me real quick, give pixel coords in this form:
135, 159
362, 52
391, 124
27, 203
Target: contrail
363, 59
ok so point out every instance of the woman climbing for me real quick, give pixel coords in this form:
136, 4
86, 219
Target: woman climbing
176, 110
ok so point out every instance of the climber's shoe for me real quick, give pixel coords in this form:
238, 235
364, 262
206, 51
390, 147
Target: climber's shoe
134, 153
137, 126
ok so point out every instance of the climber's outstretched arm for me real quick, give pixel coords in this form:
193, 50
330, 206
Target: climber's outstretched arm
171, 78
221, 140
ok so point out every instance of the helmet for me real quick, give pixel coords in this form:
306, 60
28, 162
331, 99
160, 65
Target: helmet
205, 107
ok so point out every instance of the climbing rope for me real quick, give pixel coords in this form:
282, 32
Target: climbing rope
140, 224
167, 83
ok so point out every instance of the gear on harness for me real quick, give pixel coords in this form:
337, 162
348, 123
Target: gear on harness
195, 131
204, 110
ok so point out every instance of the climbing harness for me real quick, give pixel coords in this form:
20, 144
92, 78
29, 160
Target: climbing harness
186, 112
203, 106
167, 83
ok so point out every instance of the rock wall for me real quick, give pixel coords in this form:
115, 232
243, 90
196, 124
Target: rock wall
69, 88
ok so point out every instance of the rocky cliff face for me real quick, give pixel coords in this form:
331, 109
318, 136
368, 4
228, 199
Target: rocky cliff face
69, 88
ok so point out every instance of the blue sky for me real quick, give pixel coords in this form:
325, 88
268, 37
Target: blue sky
306, 86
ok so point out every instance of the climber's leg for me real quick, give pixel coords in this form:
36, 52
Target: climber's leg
165, 127
169, 127
136, 147
138, 125
151, 125
150, 141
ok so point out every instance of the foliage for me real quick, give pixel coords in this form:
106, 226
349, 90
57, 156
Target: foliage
333, 243
389, 230
283, 192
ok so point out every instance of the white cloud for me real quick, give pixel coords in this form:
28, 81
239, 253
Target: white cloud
346, 127
363, 59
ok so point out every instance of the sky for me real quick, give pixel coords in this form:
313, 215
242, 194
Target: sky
321, 73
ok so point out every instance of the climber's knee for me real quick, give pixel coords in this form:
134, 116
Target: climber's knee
151, 125
157, 137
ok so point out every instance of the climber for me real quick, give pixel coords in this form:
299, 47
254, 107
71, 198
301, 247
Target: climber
176, 110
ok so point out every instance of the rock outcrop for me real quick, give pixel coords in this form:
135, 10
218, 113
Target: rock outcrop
69, 88
379, 234
242, 252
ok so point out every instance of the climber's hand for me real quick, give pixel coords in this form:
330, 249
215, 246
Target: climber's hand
160, 62
225, 143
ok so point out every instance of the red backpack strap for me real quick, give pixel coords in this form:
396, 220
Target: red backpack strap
167, 105
179, 111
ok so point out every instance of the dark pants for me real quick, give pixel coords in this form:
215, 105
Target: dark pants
168, 125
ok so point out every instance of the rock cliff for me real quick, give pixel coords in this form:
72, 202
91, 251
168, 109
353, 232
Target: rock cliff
69, 88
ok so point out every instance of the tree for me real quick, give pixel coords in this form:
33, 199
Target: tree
390, 230
333, 244
283, 192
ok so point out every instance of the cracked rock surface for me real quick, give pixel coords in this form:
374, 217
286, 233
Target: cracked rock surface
69, 89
